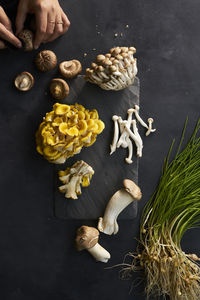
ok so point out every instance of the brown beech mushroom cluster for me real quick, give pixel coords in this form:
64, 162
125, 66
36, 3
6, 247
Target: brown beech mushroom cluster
70, 69
26, 36
46, 60
87, 238
115, 70
59, 88
24, 81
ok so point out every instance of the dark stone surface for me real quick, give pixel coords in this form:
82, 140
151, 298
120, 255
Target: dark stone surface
37, 255
109, 170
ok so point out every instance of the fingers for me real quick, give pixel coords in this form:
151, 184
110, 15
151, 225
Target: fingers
41, 21
5, 34
61, 26
50, 26
2, 45
66, 22
5, 20
22, 11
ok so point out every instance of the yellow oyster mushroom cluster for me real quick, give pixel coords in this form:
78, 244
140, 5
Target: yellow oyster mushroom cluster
65, 130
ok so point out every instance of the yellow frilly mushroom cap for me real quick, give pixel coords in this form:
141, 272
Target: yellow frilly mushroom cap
65, 130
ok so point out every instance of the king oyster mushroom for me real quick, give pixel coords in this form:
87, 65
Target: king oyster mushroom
117, 203
70, 68
115, 70
26, 36
24, 81
87, 238
59, 88
46, 60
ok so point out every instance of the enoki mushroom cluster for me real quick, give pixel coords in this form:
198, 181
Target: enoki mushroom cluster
115, 70
65, 130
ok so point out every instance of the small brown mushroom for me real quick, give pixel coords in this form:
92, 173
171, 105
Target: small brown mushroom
46, 60
87, 238
26, 36
59, 88
70, 68
24, 81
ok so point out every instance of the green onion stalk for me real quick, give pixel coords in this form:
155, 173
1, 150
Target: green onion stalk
171, 211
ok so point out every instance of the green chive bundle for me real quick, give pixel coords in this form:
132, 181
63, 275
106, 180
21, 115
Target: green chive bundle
172, 210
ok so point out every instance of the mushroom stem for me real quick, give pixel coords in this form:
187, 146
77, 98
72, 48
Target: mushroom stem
118, 202
116, 134
99, 253
137, 140
122, 140
137, 108
150, 121
139, 144
130, 152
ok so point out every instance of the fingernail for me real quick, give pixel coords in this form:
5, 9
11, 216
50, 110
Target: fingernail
19, 45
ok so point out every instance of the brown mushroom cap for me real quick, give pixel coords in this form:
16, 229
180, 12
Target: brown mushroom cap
59, 88
46, 60
26, 36
70, 68
24, 81
86, 238
132, 188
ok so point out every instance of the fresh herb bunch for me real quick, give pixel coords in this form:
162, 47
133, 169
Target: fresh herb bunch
172, 210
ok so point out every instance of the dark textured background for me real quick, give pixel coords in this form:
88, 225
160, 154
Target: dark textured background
37, 256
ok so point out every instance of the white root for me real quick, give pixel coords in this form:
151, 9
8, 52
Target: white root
116, 134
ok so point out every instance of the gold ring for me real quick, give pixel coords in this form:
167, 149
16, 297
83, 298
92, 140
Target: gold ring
52, 22
59, 23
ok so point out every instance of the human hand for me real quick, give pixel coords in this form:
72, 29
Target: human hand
6, 32
51, 21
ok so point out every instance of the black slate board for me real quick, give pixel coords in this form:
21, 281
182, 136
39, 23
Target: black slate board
109, 170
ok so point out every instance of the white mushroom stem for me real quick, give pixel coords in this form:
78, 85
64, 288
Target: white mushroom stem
116, 134
122, 141
118, 202
136, 111
150, 121
136, 140
130, 152
99, 253
140, 142
121, 125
